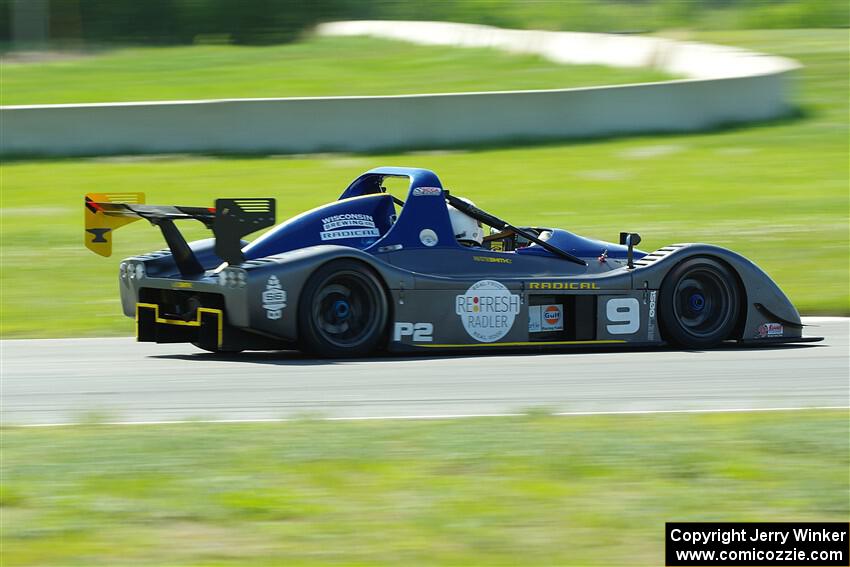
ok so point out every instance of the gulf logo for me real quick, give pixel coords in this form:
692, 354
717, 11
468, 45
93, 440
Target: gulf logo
552, 316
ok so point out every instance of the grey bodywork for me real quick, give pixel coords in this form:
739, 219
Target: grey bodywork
419, 299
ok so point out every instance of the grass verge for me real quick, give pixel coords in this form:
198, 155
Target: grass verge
318, 66
777, 193
498, 491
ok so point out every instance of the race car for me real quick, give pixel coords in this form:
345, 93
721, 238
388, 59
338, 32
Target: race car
370, 272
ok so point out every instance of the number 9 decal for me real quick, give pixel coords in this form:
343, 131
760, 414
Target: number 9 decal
624, 314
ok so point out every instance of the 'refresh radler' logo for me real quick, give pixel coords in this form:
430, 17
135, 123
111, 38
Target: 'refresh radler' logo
487, 310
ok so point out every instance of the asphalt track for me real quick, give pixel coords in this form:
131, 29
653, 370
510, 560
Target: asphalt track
57, 381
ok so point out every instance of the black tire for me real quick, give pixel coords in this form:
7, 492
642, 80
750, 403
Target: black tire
343, 311
699, 303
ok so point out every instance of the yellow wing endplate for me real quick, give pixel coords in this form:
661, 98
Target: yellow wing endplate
100, 225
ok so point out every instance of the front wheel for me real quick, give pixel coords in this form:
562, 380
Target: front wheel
343, 310
699, 303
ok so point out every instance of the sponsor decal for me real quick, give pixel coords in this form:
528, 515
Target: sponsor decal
347, 219
274, 298
563, 285
99, 234
348, 225
492, 259
418, 332
552, 318
650, 331
428, 237
427, 191
487, 310
543, 318
350, 233
182, 285
497, 246
768, 330
535, 322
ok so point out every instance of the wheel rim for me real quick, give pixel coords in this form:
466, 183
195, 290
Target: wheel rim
702, 302
345, 310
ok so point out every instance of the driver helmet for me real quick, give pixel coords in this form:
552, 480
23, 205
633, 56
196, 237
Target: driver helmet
467, 230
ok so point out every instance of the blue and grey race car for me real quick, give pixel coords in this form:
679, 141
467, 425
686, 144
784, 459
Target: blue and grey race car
370, 272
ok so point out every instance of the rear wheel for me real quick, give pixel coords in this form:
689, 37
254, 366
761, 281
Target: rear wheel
699, 303
343, 310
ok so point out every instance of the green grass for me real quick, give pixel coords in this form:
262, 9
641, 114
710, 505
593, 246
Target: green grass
502, 491
777, 193
315, 67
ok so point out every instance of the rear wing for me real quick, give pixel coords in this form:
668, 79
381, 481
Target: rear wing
230, 220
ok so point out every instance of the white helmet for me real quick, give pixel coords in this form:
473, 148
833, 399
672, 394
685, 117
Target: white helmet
467, 230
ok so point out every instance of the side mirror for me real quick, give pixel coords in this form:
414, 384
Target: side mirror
630, 239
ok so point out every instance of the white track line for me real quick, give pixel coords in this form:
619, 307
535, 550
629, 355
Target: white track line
428, 417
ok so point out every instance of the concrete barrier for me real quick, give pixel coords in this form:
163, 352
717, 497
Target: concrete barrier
724, 86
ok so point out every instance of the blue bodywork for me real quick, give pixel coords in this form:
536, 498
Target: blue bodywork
364, 217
